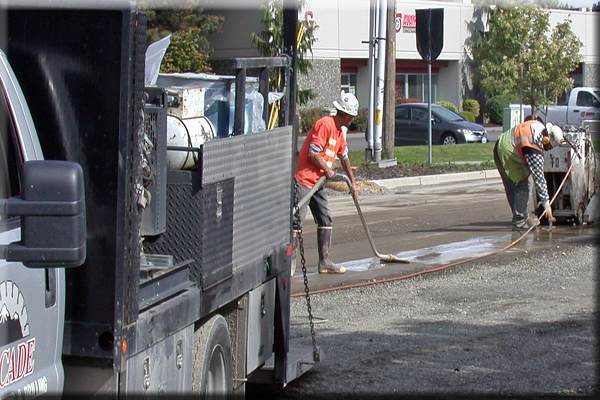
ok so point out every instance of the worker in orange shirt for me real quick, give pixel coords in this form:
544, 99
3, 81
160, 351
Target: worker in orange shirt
324, 143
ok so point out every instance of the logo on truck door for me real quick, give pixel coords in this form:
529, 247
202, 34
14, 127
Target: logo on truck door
16, 360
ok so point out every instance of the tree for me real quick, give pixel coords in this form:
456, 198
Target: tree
189, 26
269, 42
519, 54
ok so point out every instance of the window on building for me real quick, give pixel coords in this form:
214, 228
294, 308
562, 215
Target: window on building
348, 82
415, 86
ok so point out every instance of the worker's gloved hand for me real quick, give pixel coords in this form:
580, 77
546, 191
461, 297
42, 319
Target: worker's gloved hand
548, 211
354, 188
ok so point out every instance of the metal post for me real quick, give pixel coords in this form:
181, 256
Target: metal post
263, 88
3, 29
290, 28
390, 87
240, 100
382, 23
369, 156
429, 106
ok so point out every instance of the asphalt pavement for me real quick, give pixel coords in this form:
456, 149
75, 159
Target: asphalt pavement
519, 325
469, 316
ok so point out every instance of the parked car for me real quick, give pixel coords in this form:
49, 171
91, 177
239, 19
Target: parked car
447, 126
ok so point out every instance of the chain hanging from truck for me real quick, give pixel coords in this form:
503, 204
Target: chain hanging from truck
316, 351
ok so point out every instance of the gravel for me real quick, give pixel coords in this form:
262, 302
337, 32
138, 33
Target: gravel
504, 326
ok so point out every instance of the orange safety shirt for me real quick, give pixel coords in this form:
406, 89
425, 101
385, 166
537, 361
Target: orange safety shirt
523, 137
326, 136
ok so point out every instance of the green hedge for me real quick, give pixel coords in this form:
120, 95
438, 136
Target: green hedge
496, 106
308, 118
472, 106
448, 104
360, 122
468, 115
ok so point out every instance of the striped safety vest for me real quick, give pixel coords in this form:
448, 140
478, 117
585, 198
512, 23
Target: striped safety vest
523, 138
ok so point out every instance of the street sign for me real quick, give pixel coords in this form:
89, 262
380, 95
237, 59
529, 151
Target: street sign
430, 33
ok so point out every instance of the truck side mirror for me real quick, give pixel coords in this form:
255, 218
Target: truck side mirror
52, 211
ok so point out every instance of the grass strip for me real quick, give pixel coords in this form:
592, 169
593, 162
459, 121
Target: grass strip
451, 154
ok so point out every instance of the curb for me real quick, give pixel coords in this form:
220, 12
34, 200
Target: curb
424, 180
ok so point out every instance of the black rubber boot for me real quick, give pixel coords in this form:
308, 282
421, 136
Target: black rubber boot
326, 266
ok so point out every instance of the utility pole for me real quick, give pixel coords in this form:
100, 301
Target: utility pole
369, 151
380, 78
389, 119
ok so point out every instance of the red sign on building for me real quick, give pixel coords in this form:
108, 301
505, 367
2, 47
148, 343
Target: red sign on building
406, 23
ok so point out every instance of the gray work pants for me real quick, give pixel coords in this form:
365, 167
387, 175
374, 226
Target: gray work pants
517, 194
319, 207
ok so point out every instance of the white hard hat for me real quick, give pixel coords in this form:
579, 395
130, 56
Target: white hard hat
347, 103
555, 133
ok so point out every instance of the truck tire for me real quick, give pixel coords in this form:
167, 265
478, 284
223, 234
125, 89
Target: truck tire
212, 367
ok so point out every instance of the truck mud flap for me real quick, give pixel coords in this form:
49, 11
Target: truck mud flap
299, 361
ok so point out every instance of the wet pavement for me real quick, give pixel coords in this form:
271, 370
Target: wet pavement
429, 226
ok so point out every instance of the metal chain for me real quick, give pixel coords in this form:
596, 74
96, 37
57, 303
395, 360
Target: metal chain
316, 353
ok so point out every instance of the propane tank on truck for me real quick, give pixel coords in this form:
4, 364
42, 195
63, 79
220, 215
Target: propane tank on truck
187, 127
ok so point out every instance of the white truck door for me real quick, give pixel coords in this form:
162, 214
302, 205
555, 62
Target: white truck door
31, 300
585, 107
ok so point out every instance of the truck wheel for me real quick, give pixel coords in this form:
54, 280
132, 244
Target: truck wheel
212, 371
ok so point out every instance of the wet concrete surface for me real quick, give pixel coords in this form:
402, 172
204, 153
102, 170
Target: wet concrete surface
428, 226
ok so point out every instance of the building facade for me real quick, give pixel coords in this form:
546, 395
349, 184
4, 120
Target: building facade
340, 53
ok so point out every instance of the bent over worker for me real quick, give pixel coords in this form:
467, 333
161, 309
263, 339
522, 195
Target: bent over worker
322, 145
519, 153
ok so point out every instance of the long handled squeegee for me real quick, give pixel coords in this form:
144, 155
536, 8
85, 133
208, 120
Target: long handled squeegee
390, 258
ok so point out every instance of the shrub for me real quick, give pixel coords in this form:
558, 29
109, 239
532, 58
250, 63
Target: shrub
468, 115
448, 104
308, 118
359, 123
496, 106
472, 106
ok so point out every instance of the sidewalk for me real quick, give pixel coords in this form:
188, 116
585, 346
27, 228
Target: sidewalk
396, 183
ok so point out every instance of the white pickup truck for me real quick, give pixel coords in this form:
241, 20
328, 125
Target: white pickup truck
580, 104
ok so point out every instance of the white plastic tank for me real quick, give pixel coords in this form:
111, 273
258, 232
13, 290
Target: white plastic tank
189, 132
